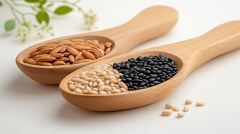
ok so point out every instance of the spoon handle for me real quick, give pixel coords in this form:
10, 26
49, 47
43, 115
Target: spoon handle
199, 50
148, 24
220, 40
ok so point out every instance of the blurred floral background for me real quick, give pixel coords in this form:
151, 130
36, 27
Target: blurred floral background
32, 18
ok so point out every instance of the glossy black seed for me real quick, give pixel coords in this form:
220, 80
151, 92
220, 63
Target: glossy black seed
147, 71
153, 75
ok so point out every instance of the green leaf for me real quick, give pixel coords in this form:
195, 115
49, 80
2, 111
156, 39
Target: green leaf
32, 1
42, 2
9, 25
63, 10
42, 16
49, 5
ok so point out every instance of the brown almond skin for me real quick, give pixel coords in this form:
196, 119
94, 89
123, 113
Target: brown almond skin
41, 55
29, 61
56, 50
88, 55
108, 44
79, 56
46, 58
45, 50
101, 46
72, 51
44, 64
64, 48
65, 59
66, 54
71, 58
107, 50
96, 54
57, 55
58, 63
34, 53
79, 47
101, 52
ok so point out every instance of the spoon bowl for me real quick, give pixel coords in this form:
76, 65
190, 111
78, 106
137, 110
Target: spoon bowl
159, 20
188, 55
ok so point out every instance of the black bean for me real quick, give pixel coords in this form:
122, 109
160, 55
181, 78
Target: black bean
153, 75
152, 79
146, 71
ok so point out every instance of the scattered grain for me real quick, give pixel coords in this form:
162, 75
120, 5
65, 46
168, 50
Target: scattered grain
188, 102
166, 113
200, 104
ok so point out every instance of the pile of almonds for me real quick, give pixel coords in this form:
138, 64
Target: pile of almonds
101, 80
179, 113
65, 52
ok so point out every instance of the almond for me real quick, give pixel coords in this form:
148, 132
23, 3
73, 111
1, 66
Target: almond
66, 54
41, 55
29, 61
64, 48
34, 53
101, 46
58, 63
95, 53
79, 56
44, 63
107, 50
46, 50
46, 58
101, 52
80, 47
71, 58
88, 55
57, 55
73, 51
68, 51
65, 59
56, 50
108, 44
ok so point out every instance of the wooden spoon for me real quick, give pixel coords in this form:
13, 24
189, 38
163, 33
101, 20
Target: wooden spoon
188, 55
148, 24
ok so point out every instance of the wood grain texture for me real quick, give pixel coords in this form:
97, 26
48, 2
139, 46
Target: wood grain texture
188, 55
148, 24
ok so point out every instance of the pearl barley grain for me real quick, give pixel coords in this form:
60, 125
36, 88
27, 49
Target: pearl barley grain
200, 104
180, 115
185, 109
168, 106
166, 113
188, 102
101, 80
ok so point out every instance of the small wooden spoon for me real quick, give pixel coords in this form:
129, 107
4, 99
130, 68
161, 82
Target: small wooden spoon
188, 55
148, 24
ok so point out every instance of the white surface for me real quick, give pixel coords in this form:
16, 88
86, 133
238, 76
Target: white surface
30, 107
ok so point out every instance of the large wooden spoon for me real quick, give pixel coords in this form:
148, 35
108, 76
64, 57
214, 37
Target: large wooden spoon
188, 55
148, 24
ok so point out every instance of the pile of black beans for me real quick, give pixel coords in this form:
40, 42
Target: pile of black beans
144, 72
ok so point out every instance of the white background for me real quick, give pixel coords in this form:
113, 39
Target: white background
29, 107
